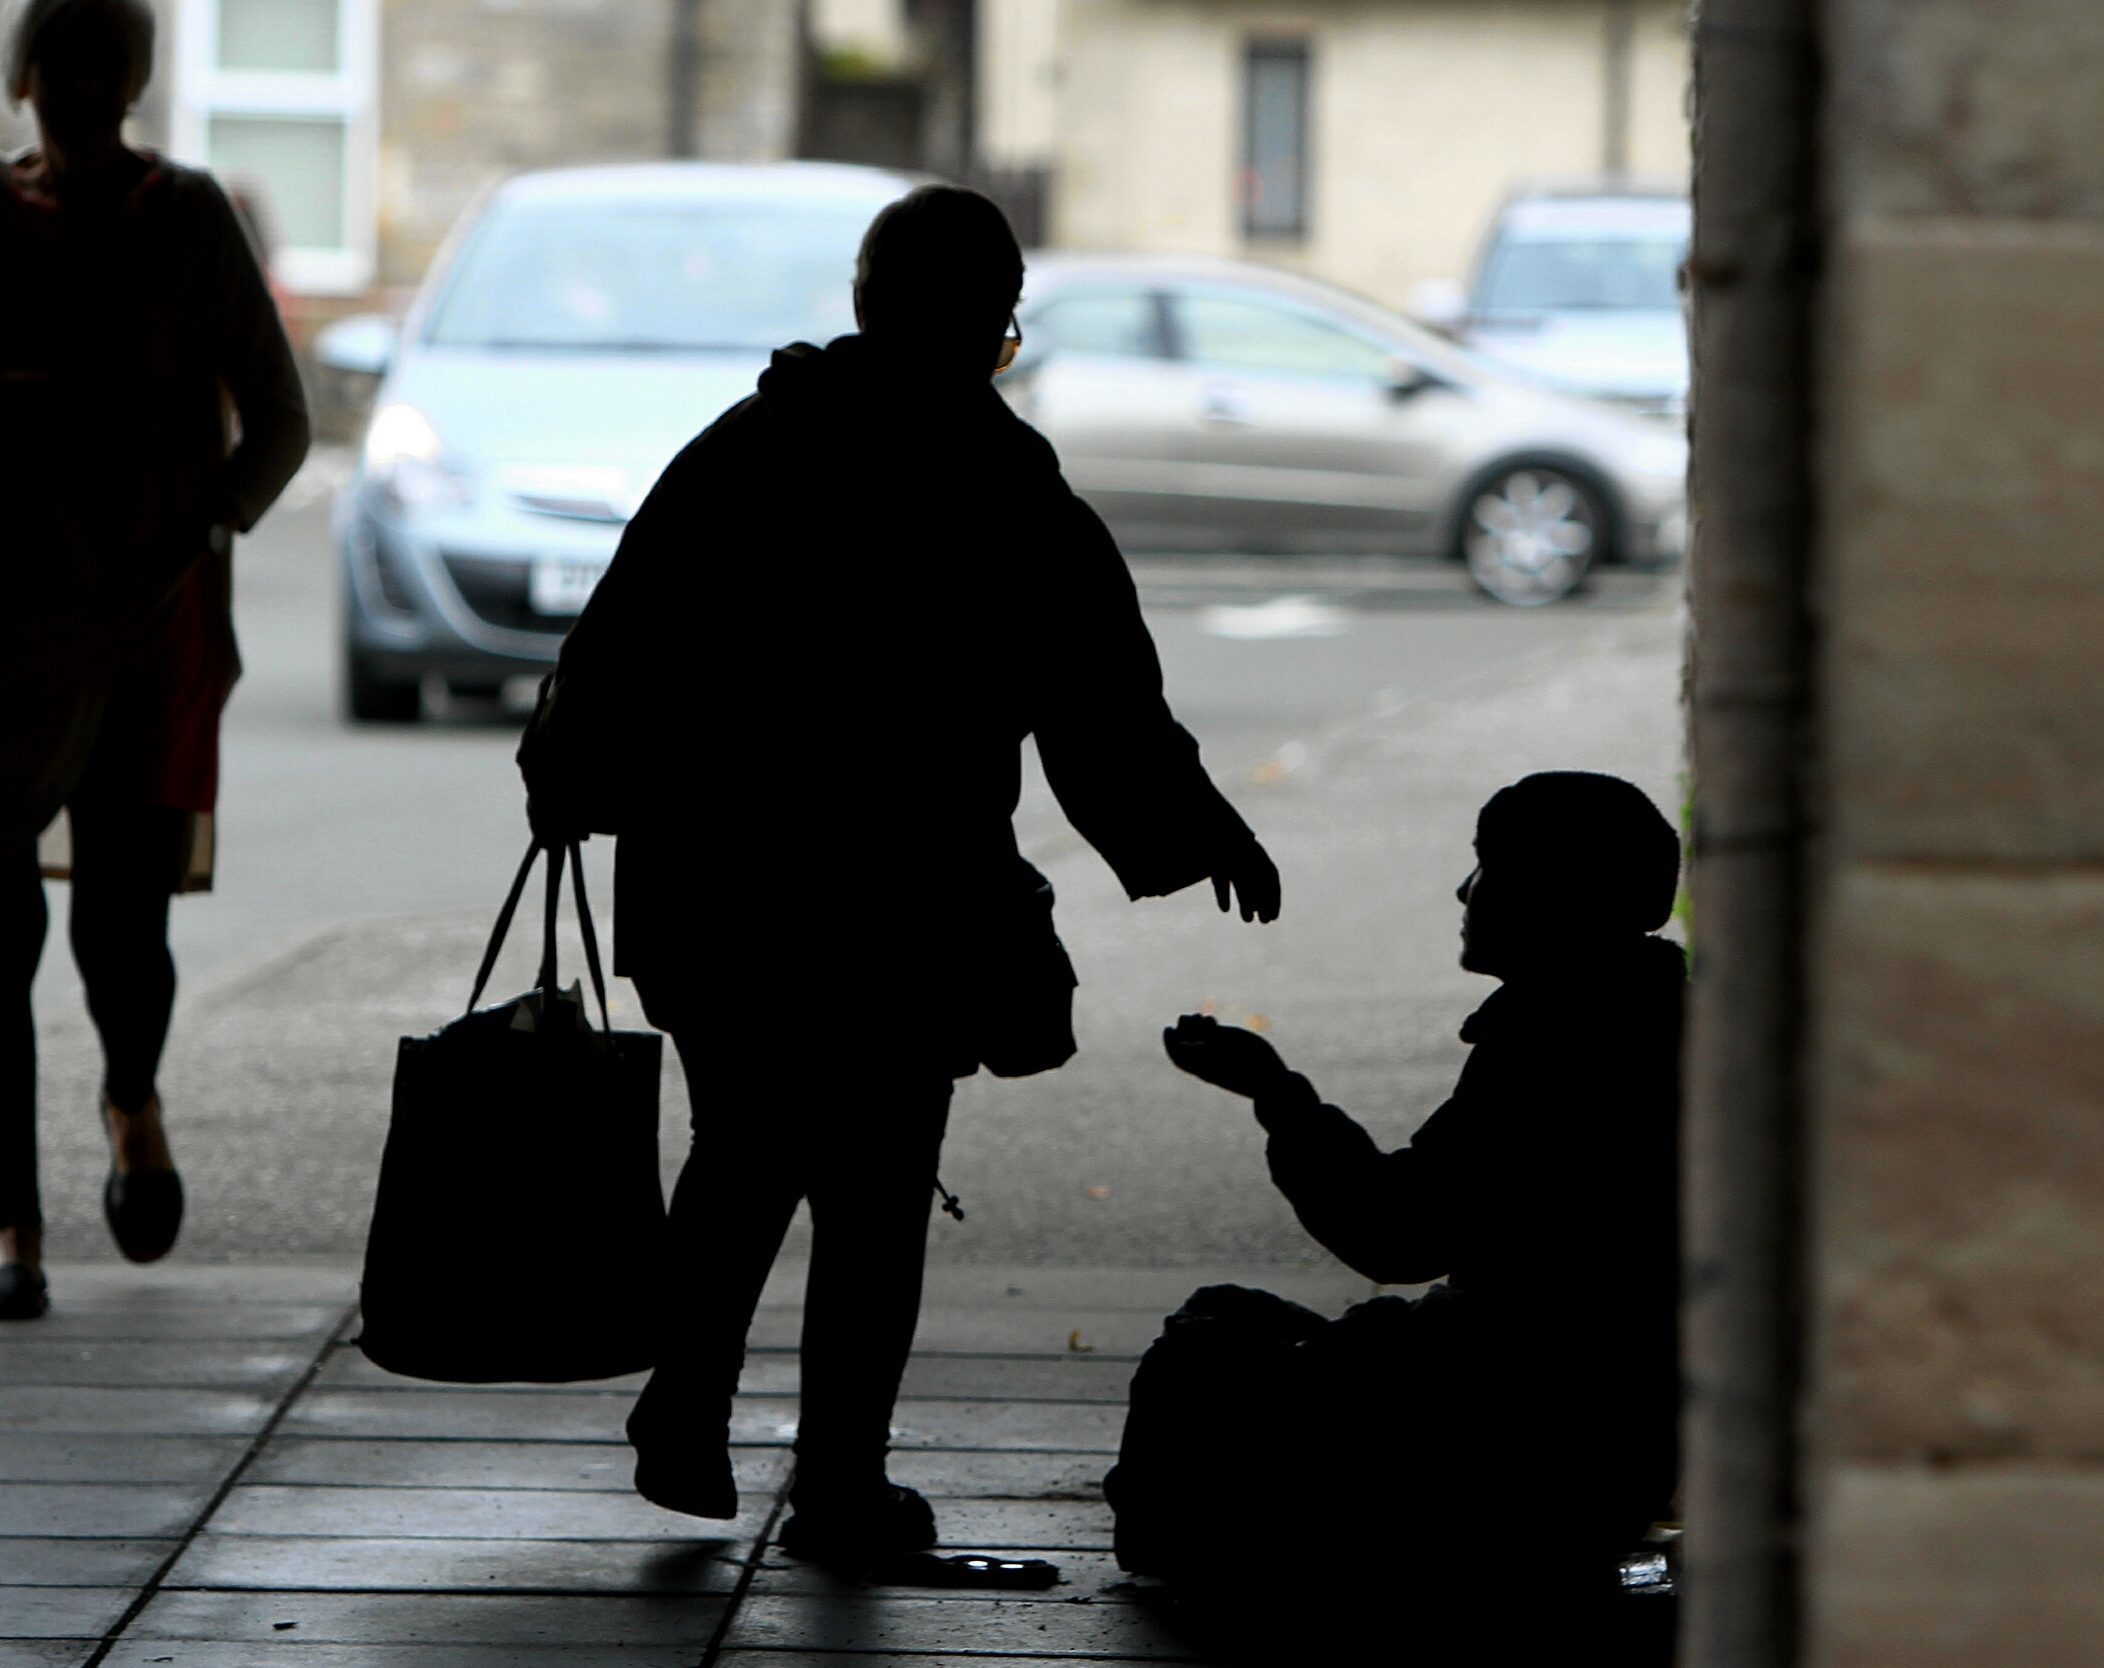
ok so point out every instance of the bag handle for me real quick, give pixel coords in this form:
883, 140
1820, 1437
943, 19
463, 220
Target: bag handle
547, 979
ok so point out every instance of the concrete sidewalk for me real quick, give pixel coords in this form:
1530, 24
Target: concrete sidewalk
199, 1469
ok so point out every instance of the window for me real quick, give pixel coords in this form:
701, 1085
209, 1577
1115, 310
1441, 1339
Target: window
276, 98
1123, 323
1526, 276
1244, 333
564, 275
1275, 140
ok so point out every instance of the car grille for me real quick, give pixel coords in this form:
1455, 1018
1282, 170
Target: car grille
497, 591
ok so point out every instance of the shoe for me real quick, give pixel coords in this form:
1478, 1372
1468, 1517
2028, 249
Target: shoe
145, 1211
24, 1294
859, 1529
688, 1480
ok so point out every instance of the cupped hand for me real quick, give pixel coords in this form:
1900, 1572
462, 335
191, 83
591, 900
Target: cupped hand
1225, 1056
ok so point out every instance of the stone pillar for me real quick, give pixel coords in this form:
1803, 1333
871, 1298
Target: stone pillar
1954, 1404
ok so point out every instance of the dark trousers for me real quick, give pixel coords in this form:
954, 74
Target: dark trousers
125, 861
857, 1137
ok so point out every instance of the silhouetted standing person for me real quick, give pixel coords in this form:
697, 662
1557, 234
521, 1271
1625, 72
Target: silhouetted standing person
1512, 1431
137, 333
818, 889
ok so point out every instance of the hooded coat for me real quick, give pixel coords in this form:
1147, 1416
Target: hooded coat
800, 693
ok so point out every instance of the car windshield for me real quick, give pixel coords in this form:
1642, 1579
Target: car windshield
658, 277
1533, 275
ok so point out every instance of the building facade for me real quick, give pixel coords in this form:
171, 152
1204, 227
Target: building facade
1367, 142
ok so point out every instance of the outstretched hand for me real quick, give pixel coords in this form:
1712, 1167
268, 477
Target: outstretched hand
1248, 873
1225, 1056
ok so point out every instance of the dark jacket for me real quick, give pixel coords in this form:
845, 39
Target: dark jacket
1544, 1194
139, 334
804, 684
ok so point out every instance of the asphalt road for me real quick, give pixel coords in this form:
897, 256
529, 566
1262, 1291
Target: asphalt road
1358, 709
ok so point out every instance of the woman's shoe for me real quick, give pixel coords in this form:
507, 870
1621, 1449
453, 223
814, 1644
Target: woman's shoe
855, 1530
24, 1294
145, 1211
685, 1479
143, 1202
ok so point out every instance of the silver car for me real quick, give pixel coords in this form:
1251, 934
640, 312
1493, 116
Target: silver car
578, 329
1216, 405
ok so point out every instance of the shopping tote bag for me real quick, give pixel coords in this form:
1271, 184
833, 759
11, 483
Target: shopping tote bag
515, 1126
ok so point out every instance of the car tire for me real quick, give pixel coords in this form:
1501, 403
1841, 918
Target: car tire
369, 698
1530, 532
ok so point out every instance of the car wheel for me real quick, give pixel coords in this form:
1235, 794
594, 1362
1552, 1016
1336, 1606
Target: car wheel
1530, 533
369, 698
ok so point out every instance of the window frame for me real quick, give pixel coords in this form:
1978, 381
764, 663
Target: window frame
348, 95
1284, 49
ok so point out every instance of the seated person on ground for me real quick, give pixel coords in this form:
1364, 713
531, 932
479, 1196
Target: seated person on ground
1519, 1417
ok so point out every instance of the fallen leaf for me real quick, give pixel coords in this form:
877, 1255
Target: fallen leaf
1097, 1192
1257, 1022
1076, 1347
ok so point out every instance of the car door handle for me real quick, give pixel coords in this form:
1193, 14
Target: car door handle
1222, 408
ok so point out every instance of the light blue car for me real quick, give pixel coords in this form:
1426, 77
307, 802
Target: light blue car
578, 328
1578, 288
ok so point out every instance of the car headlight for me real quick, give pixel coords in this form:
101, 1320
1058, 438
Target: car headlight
405, 461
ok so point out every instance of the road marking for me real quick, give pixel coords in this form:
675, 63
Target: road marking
1298, 616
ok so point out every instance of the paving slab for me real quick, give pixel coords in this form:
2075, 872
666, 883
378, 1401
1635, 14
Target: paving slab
1066, 1376
346, 1368
991, 1289
60, 1612
1019, 1332
494, 1415
1011, 1474
122, 1510
45, 1653
410, 1462
477, 1415
76, 1410
986, 1626
1093, 1576
182, 1323
116, 1363
179, 1284
694, 1564
448, 1619
1076, 1427
886, 1659
468, 1514
76, 1457
77, 1561
237, 1653
1042, 1526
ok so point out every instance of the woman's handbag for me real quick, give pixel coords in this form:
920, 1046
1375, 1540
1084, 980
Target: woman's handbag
514, 1122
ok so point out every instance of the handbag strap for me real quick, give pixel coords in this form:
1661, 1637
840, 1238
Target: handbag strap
503, 926
547, 981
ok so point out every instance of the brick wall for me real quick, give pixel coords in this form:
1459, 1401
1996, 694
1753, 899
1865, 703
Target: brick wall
1955, 1415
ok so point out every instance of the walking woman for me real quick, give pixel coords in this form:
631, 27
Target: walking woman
151, 409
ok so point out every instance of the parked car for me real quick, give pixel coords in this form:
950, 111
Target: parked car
578, 328
1217, 405
1579, 287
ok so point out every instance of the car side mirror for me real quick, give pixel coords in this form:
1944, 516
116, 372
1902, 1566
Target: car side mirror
361, 345
1407, 379
1439, 304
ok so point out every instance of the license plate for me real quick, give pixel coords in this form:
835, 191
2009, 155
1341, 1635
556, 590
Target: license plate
560, 586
